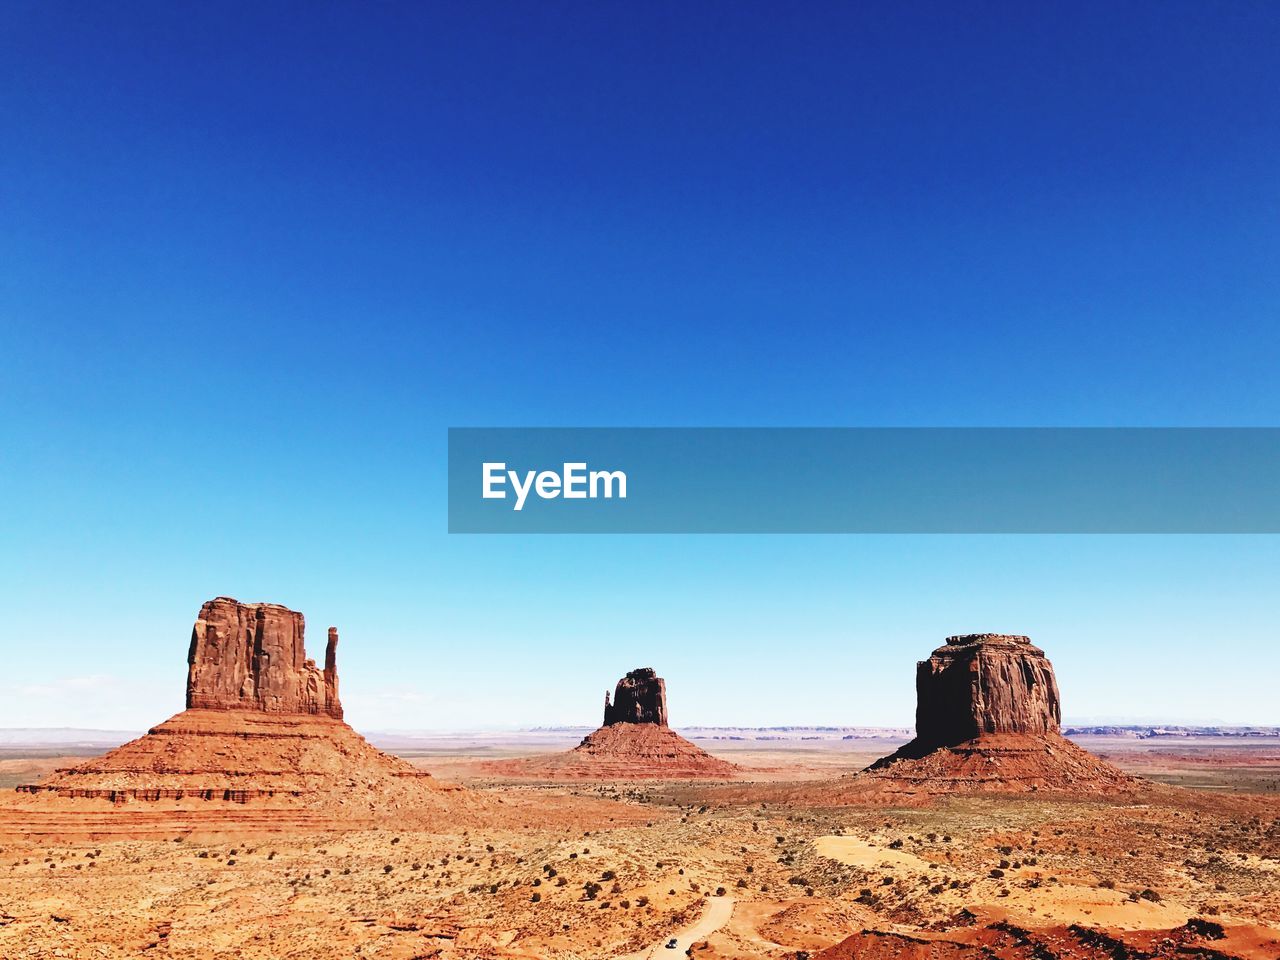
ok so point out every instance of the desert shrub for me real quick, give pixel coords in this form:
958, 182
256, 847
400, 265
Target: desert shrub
996, 873
721, 891
535, 898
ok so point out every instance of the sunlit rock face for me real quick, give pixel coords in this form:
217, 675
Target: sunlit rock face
251, 656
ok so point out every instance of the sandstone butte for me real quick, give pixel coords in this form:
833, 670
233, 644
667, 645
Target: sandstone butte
263, 722
633, 742
988, 717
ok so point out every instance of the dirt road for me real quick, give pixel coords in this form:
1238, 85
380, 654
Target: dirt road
715, 916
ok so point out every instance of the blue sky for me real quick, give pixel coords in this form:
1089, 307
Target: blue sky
258, 257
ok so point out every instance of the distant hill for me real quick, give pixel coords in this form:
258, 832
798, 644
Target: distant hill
1146, 731
19, 737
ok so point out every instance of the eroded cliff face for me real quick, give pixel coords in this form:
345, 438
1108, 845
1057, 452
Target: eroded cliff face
640, 697
981, 684
251, 656
988, 719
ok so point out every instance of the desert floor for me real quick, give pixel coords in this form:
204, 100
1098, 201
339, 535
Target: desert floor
605, 870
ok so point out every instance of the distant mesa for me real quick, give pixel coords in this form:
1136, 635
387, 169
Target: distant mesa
262, 722
988, 716
634, 742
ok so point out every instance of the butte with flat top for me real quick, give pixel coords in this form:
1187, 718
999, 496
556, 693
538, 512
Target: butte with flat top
263, 722
633, 742
988, 718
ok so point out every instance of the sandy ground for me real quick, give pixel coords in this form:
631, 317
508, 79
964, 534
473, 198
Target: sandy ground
587, 871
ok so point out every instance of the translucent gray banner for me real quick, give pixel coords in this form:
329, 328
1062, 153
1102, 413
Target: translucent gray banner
864, 480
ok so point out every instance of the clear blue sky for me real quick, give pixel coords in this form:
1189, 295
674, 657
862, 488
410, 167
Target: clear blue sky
256, 258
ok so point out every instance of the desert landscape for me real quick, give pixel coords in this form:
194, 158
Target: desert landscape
258, 824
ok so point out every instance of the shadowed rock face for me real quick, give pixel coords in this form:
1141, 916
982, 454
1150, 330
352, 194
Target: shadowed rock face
641, 697
982, 684
987, 720
251, 656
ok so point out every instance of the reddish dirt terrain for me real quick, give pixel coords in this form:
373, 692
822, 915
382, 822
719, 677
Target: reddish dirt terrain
257, 824
619, 868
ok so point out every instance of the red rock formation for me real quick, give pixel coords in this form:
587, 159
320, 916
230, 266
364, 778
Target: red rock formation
262, 723
633, 743
987, 718
984, 683
251, 656
640, 697
972, 941
624, 751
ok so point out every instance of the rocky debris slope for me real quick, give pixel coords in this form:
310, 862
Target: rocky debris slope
262, 724
643, 751
988, 716
634, 743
